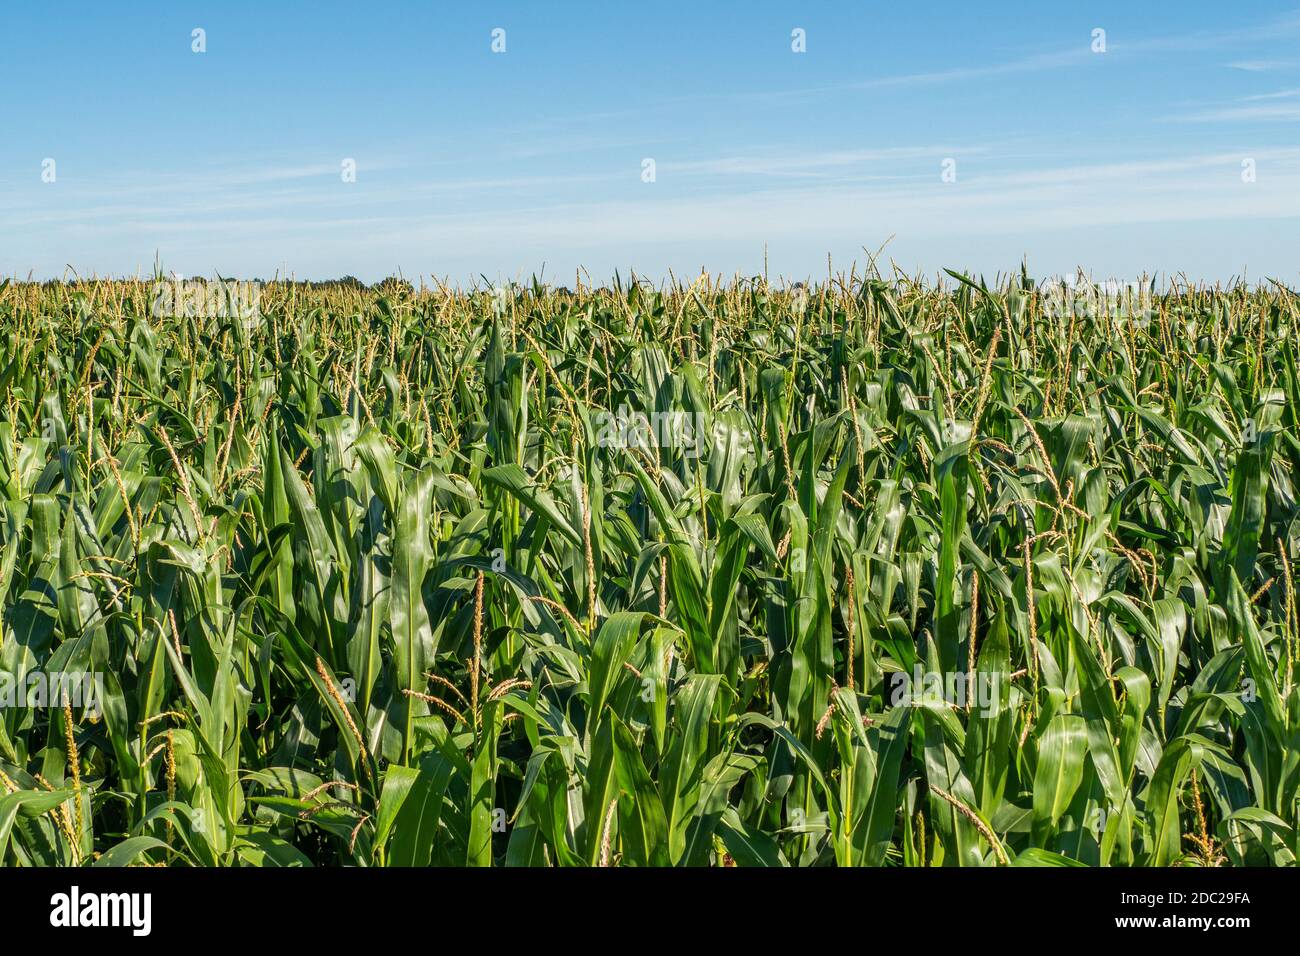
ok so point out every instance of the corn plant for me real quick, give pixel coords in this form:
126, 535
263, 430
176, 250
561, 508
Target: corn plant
903, 573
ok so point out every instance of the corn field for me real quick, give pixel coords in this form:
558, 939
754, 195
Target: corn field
922, 573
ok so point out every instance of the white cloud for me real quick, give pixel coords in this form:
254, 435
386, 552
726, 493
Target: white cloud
1246, 114
1276, 95
1261, 66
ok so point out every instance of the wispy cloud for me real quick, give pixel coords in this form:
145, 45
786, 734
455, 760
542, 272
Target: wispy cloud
1028, 64
1043, 61
1177, 189
833, 163
1276, 95
1262, 66
1260, 107
1284, 112
1276, 28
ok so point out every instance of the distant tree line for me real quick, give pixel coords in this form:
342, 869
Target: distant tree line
388, 285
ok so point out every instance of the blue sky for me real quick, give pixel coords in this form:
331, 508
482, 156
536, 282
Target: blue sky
472, 162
